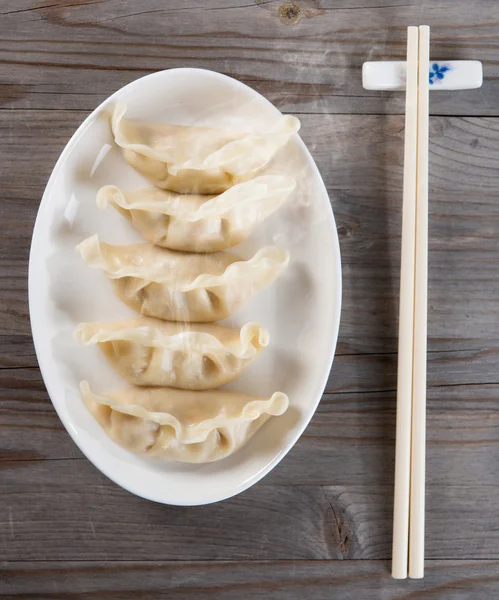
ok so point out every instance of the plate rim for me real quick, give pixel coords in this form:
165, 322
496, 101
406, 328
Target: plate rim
36, 326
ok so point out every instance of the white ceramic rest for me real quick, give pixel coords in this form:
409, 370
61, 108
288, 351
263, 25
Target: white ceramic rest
444, 75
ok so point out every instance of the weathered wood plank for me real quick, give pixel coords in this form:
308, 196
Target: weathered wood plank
331, 497
66, 510
361, 154
352, 372
17, 352
71, 54
364, 181
31, 429
350, 440
251, 580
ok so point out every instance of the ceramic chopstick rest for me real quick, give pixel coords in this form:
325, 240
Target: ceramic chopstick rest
443, 75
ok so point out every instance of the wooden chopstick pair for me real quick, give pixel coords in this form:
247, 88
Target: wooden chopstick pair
409, 497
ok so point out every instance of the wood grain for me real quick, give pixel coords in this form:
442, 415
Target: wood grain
66, 510
246, 580
319, 526
350, 440
364, 182
357, 153
73, 54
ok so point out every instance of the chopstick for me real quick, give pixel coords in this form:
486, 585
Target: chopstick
409, 495
418, 450
406, 317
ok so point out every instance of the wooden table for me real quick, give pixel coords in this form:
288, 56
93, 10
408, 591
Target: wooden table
319, 526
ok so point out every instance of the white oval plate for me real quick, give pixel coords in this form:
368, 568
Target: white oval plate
301, 310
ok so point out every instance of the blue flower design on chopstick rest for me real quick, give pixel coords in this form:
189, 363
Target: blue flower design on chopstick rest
437, 72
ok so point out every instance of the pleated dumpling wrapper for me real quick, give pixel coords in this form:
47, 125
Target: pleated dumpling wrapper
177, 286
180, 425
152, 352
196, 223
197, 160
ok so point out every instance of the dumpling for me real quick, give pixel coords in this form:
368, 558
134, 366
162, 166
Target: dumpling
185, 426
197, 160
178, 286
151, 352
197, 223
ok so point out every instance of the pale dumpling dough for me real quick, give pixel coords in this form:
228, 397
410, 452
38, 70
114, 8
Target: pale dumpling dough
197, 160
151, 352
196, 223
178, 286
179, 425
